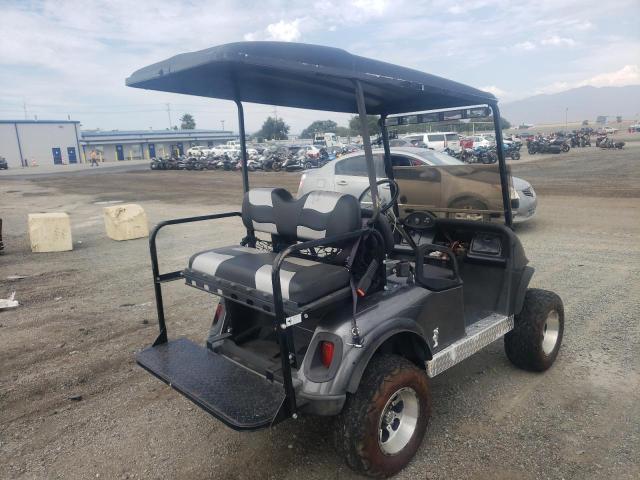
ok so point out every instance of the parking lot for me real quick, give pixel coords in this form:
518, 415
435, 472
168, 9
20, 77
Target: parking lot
85, 313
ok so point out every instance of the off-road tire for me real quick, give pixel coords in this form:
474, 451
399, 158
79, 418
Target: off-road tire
356, 432
523, 345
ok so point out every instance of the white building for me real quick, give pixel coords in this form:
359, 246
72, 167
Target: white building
57, 142
40, 142
118, 145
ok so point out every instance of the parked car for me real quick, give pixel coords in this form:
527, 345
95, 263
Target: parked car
348, 174
3, 164
197, 151
483, 140
436, 140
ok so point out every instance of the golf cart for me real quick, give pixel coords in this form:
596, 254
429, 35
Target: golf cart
337, 306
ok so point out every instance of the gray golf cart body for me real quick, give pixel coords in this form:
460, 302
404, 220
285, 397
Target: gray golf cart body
262, 360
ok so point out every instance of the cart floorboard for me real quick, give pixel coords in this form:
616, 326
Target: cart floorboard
240, 398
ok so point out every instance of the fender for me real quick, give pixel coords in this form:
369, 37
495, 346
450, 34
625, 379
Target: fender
402, 325
525, 278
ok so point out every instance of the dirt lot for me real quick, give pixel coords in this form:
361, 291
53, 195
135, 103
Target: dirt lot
85, 313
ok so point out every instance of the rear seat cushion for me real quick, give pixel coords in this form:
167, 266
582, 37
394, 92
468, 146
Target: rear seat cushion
318, 214
302, 280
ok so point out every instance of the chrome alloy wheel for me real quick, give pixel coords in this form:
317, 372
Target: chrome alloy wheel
550, 332
398, 421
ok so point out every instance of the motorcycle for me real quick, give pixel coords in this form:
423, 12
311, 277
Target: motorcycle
608, 143
512, 150
485, 155
158, 164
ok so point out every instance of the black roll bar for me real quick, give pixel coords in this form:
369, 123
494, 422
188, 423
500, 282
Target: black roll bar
159, 278
368, 153
243, 147
285, 337
504, 177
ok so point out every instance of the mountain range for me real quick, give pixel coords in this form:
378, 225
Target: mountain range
582, 103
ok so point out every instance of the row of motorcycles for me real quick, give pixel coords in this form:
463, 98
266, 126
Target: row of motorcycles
485, 155
558, 143
274, 159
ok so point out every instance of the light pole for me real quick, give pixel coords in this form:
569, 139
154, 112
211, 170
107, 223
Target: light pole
566, 116
222, 122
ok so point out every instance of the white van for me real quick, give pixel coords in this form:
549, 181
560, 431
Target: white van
436, 140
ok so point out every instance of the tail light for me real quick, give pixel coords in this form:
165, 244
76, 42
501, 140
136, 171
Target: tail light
326, 353
219, 313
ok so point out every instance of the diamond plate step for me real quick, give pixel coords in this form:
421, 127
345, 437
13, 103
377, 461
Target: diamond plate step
479, 335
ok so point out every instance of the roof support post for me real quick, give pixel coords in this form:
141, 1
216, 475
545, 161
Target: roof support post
243, 147
502, 163
388, 167
366, 143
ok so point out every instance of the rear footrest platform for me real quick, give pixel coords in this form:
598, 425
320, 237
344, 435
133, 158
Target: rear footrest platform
240, 398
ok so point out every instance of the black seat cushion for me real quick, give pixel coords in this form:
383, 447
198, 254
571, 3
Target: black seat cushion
302, 280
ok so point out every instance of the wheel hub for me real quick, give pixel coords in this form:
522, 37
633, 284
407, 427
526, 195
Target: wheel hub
398, 421
550, 332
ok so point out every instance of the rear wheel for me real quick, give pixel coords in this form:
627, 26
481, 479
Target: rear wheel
382, 426
515, 155
535, 341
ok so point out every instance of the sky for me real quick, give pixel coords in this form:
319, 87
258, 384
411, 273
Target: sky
68, 58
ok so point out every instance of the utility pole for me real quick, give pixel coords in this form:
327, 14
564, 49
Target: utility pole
222, 122
566, 116
24, 107
169, 113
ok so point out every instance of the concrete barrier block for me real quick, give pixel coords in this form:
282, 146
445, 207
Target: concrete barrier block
50, 232
126, 222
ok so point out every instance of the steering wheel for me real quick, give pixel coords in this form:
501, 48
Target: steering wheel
394, 189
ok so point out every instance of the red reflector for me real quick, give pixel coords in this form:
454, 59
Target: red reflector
326, 353
360, 292
219, 313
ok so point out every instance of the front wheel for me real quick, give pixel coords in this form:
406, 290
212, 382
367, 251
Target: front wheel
382, 425
565, 148
515, 155
535, 341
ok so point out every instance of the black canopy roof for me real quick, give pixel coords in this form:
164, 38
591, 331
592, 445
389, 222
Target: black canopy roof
303, 76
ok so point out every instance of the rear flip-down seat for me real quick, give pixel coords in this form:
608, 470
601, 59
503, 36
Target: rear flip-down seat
244, 273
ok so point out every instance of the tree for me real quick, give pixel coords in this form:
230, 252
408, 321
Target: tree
343, 131
506, 124
273, 129
319, 126
372, 121
585, 123
187, 122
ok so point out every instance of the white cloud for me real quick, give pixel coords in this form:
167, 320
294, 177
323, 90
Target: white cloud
627, 75
284, 31
376, 7
498, 92
526, 46
557, 41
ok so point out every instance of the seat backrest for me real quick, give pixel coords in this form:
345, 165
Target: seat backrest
318, 214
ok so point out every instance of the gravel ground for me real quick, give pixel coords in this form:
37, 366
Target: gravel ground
85, 313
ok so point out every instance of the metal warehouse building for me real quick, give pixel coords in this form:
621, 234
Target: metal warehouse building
143, 144
42, 142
